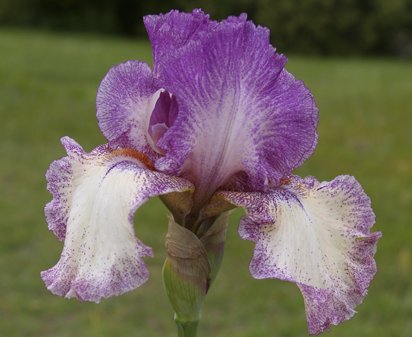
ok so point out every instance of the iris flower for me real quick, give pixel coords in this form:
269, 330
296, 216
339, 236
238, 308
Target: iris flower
218, 123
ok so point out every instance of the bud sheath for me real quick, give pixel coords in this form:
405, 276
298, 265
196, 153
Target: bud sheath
191, 265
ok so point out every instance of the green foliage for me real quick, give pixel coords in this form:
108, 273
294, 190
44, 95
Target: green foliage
104, 16
340, 27
343, 27
48, 85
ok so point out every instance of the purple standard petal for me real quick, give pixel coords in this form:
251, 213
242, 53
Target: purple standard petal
172, 31
318, 236
94, 198
239, 110
125, 101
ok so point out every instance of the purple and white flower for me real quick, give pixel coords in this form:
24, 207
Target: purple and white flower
218, 118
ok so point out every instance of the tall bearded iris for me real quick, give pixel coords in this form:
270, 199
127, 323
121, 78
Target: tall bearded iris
217, 124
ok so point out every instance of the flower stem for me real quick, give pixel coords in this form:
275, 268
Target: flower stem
187, 329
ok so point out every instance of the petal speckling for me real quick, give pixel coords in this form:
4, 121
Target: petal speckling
94, 198
318, 236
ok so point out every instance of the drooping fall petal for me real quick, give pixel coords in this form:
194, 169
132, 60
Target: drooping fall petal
95, 196
318, 236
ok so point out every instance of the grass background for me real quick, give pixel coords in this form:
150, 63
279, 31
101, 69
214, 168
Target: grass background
47, 90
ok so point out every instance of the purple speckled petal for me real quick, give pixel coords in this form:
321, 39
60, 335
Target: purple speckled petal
125, 101
172, 31
318, 236
95, 196
239, 110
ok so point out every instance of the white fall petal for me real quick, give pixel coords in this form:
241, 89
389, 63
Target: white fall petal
95, 196
316, 235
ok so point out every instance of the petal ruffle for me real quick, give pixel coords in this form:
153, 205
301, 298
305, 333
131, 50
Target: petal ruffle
125, 100
239, 109
94, 198
318, 236
172, 31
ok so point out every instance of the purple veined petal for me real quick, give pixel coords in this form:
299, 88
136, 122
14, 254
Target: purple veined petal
239, 110
172, 31
126, 99
95, 196
318, 236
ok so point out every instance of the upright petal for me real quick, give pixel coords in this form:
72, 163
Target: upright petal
239, 109
125, 101
94, 198
317, 235
172, 31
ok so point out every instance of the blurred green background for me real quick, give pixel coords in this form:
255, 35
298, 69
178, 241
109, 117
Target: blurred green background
327, 27
48, 82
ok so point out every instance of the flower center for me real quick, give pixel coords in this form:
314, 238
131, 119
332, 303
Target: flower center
162, 117
128, 152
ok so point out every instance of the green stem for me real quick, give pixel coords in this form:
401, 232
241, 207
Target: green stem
187, 329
